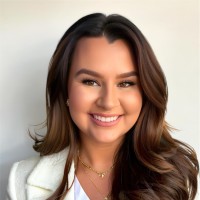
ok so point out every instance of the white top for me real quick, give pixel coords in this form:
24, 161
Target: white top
79, 193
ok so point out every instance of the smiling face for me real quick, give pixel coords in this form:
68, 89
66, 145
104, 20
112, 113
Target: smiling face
103, 88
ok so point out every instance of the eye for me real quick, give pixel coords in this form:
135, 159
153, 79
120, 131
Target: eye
90, 82
126, 84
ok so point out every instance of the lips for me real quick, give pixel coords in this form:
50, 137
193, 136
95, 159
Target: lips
105, 120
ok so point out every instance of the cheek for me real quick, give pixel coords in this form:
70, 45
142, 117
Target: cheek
133, 103
80, 97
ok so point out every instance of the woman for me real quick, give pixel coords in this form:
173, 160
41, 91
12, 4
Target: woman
107, 137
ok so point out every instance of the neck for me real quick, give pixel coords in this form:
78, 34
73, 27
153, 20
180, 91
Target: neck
98, 156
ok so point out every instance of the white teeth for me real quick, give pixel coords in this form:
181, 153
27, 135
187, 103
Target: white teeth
105, 119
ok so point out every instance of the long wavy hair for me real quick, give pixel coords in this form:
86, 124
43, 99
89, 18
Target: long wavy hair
150, 164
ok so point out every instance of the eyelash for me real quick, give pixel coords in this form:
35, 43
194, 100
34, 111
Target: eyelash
90, 82
130, 83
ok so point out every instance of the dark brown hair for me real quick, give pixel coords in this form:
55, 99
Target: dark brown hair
155, 166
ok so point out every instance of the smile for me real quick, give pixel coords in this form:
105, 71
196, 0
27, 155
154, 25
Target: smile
105, 119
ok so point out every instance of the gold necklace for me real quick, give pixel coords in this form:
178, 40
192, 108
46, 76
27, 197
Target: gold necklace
100, 174
107, 197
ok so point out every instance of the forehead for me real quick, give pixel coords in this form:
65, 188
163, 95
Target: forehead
98, 53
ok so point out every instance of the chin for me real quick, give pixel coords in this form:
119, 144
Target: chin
108, 140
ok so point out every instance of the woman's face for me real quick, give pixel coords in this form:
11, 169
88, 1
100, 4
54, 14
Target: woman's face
104, 93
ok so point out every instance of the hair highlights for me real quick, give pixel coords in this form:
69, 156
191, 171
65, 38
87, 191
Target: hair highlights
155, 166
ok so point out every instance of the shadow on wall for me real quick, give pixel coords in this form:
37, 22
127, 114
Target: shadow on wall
22, 104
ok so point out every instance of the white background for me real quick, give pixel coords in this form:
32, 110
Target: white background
29, 32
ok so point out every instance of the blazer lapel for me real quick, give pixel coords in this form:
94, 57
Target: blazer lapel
47, 175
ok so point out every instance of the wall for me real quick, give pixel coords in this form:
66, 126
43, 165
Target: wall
29, 33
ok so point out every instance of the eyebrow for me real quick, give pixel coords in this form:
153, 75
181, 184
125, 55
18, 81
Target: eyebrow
96, 74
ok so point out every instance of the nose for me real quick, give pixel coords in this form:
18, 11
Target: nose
108, 98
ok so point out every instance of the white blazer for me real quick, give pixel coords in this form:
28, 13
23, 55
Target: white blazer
38, 177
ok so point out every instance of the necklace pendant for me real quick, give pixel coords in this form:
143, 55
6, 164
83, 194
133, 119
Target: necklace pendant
106, 198
101, 175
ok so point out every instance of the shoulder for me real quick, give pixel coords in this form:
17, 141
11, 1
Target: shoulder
36, 172
18, 176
